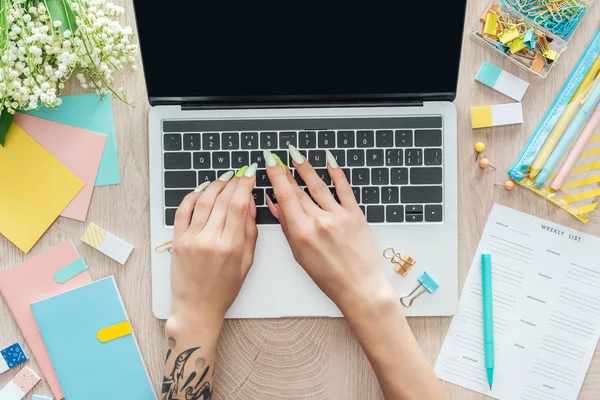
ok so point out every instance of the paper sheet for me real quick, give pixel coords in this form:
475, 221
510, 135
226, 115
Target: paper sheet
87, 111
78, 149
34, 189
546, 304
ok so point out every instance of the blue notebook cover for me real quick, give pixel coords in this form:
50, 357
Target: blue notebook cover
88, 369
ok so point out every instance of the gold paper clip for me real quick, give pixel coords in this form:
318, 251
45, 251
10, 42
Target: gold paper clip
166, 246
403, 262
427, 283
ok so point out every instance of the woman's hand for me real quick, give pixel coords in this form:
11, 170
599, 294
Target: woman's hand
332, 241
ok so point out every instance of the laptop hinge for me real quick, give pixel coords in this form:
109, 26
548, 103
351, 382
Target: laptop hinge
250, 106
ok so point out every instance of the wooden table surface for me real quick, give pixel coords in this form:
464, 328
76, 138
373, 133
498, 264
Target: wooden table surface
308, 358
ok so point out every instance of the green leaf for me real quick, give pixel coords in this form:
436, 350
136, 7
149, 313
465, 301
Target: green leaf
6, 119
60, 10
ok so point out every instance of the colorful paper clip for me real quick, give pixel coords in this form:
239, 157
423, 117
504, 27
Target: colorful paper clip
403, 262
426, 282
163, 248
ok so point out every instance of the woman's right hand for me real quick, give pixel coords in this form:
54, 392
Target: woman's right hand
330, 240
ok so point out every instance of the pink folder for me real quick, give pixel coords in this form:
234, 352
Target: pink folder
35, 280
78, 149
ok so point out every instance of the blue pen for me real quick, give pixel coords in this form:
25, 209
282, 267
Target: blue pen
565, 141
488, 316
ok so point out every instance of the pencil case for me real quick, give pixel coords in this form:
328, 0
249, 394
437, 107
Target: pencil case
580, 192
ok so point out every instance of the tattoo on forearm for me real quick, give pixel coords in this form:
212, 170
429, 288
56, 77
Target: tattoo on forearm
184, 382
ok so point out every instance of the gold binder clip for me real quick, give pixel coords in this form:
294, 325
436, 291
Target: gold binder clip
166, 246
403, 262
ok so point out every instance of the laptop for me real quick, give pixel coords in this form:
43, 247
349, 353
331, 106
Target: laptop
373, 83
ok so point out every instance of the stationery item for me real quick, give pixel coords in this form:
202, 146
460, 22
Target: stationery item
546, 310
479, 148
165, 247
426, 282
78, 149
73, 320
501, 81
35, 188
107, 243
20, 385
35, 280
485, 163
89, 112
403, 263
12, 356
488, 316
509, 185
577, 150
40, 397
570, 134
503, 114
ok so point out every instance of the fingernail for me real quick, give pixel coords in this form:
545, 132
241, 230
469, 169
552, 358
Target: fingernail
241, 171
202, 187
283, 166
269, 158
226, 177
251, 170
296, 156
272, 208
331, 160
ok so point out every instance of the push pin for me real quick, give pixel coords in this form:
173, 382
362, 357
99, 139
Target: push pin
479, 148
403, 262
427, 283
509, 185
484, 163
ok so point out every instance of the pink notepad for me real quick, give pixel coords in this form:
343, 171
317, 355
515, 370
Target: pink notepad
35, 280
79, 150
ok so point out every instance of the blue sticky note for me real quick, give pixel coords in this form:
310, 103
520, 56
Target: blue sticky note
13, 355
88, 369
69, 271
38, 397
488, 74
87, 111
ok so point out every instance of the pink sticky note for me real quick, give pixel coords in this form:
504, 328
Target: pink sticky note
78, 149
32, 281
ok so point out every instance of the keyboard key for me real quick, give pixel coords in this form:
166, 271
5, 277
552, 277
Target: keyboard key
390, 195
283, 155
178, 160
340, 157
433, 213
384, 138
360, 176
399, 176
324, 175
220, 159
414, 209
258, 158
421, 194
172, 141
259, 196
210, 141
356, 191
180, 179
249, 140
356, 158
380, 176
271, 194
288, 138
299, 179
414, 157
191, 141
433, 157
170, 216
231, 141
264, 216
201, 160
404, 139
394, 213
414, 217
173, 198
428, 138
375, 214
307, 139
345, 139
375, 157
426, 176
365, 139
316, 158
262, 179
268, 140
239, 159
347, 173
370, 195
394, 157
206, 176
326, 139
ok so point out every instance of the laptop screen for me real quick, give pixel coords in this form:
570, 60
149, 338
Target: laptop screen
217, 50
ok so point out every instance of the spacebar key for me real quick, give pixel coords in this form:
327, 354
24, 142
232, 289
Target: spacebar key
421, 194
264, 216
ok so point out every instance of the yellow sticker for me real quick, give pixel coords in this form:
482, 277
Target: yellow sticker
114, 331
481, 117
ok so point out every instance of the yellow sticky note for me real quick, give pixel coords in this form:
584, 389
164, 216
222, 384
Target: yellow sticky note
34, 189
481, 117
509, 35
114, 332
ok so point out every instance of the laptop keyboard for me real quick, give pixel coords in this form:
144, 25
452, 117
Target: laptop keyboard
396, 173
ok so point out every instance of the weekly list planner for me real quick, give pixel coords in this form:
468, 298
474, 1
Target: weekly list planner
546, 306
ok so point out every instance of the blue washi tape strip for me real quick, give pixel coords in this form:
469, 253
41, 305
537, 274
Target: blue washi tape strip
13, 355
39, 397
71, 270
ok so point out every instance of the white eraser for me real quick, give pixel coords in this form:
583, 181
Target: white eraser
107, 243
20, 385
502, 81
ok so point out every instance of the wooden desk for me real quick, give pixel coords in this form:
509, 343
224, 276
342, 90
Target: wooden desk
308, 358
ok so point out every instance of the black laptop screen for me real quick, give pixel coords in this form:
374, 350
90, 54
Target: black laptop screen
216, 49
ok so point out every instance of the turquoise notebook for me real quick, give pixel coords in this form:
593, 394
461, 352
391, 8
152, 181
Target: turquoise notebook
91, 346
